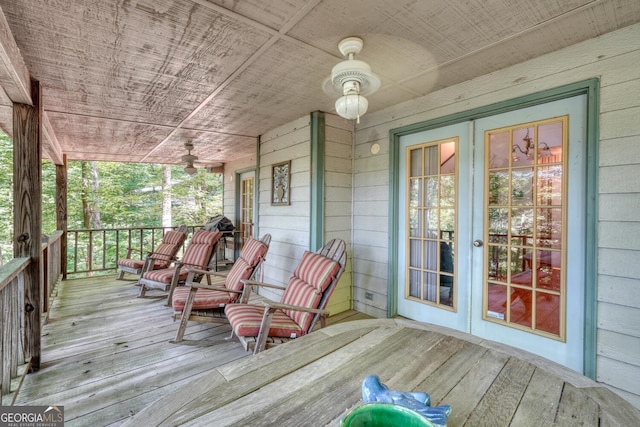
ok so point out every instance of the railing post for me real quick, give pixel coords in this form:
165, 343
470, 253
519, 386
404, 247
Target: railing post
61, 209
27, 199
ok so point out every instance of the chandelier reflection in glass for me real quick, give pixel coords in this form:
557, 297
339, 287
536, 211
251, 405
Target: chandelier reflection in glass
529, 149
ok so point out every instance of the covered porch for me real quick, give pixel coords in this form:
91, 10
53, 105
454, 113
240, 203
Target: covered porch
133, 82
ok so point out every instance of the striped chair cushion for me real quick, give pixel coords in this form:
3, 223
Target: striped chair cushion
174, 237
199, 250
301, 294
252, 253
313, 275
240, 270
164, 275
316, 270
131, 263
245, 320
163, 255
205, 298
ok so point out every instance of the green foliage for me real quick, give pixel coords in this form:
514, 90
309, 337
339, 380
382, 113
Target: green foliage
128, 195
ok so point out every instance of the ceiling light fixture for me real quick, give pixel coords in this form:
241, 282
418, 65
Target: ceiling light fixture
353, 79
189, 158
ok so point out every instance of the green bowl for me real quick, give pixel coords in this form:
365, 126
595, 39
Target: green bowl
384, 414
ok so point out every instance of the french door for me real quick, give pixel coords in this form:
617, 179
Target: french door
247, 211
491, 212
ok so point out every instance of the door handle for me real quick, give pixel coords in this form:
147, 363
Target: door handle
478, 243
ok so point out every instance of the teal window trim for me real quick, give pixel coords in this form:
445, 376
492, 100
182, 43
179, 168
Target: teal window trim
316, 217
591, 88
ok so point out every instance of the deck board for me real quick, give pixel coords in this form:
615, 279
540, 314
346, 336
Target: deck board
292, 385
106, 354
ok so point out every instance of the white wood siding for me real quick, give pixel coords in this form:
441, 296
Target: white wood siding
614, 58
338, 191
288, 225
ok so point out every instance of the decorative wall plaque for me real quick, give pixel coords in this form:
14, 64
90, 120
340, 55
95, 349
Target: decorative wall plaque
280, 180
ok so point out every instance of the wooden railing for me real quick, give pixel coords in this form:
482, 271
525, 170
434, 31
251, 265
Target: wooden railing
12, 306
12, 303
98, 250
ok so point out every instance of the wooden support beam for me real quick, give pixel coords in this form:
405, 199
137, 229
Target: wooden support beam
50, 142
27, 201
14, 75
61, 209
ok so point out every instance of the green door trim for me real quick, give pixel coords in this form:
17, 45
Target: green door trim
256, 192
591, 88
316, 217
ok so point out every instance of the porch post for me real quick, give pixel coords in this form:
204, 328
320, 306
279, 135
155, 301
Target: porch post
317, 219
61, 209
27, 201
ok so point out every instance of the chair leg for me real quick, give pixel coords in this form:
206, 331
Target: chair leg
143, 290
186, 312
174, 283
265, 326
121, 275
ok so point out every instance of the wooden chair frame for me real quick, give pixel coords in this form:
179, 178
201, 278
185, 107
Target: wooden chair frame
146, 284
216, 314
148, 263
335, 250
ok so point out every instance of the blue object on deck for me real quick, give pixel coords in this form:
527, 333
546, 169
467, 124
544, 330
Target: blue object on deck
374, 391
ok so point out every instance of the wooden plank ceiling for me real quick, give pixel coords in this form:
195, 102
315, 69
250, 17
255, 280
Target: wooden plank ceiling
132, 80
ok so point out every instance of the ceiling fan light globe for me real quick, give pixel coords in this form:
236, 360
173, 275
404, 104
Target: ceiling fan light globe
190, 170
351, 106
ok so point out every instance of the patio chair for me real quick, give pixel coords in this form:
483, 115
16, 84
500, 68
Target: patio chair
198, 254
161, 257
205, 302
303, 303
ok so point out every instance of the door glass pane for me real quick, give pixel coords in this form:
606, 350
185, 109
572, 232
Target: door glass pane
550, 146
499, 152
522, 187
415, 163
431, 219
448, 157
415, 192
498, 188
524, 206
431, 191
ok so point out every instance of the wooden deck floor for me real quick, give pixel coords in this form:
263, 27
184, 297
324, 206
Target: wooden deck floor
106, 354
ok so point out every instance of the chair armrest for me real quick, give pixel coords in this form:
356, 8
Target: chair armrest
205, 272
246, 289
277, 305
156, 256
264, 285
210, 287
131, 250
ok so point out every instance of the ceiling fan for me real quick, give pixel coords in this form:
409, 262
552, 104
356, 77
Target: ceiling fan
189, 158
353, 79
